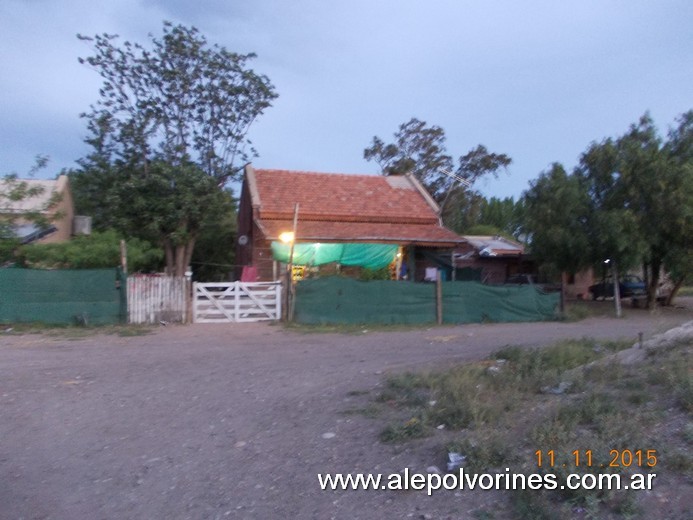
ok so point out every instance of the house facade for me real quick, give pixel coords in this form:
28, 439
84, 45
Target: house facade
493, 259
331, 209
52, 202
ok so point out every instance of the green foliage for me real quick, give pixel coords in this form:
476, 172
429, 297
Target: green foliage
556, 206
168, 132
99, 250
505, 214
181, 99
495, 417
419, 149
375, 274
214, 254
8, 247
414, 428
630, 199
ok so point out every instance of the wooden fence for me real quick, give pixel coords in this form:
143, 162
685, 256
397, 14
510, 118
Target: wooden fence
157, 299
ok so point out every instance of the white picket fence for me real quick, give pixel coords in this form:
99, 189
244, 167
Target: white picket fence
157, 298
235, 302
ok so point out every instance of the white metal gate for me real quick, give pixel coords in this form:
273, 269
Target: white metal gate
235, 302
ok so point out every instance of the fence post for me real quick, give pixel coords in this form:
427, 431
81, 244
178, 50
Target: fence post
285, 295
187, 318
439, 298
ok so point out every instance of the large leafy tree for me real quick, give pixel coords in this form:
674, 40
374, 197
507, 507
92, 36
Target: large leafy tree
506, 215
556, 208
678, 258
657, 178
168, 131
419, 149
631, 203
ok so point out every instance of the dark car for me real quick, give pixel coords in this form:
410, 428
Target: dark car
629, 286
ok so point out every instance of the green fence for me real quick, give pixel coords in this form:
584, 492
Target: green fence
84, 296
343, 300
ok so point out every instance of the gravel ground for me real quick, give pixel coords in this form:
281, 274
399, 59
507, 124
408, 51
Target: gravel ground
230, 421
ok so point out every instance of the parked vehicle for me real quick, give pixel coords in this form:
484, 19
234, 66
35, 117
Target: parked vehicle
629, 286
531, 279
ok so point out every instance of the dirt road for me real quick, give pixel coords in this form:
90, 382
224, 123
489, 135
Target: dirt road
228, 421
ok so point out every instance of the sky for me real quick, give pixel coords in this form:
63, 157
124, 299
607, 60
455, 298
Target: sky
538, 80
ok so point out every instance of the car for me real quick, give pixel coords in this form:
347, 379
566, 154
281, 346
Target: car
629, 286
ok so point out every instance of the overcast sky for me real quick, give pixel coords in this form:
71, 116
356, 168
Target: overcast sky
537, 80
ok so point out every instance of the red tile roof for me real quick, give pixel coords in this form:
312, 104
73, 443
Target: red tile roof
330, 196
340, 207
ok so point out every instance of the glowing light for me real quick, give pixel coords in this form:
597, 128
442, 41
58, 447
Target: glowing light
287, 237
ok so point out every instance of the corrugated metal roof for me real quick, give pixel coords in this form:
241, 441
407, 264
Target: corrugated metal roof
494, 245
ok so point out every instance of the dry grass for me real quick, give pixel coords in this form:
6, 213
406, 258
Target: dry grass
563, 398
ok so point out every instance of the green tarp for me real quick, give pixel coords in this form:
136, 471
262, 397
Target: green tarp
336, 300
473, 302
370, 256
80, 296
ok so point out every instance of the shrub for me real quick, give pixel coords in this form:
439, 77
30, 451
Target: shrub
99, 250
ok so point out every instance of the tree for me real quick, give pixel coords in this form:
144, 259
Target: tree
678, 259
556, 207
506, 215
419, 149
631, 203
211, 262
172, 120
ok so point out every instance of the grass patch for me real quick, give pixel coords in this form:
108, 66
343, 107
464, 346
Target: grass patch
578, 311
414, 428
685, 291
369, 411
566, 397
76, 332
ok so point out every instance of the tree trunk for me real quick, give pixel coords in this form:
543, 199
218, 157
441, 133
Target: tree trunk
168, 251
178, 257
617, 289
189, 248
561, 303
655, 267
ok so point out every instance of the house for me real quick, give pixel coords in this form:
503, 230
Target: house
52, 204
343, 222
497, 260
490, 259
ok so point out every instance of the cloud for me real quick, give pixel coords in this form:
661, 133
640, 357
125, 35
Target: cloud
537, 80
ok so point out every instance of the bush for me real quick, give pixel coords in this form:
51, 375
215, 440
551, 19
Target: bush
96, 251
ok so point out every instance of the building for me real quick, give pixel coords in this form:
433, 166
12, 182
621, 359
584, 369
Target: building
343, 222
491, 259
45, 216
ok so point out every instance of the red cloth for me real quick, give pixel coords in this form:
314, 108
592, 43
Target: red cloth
249, 273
